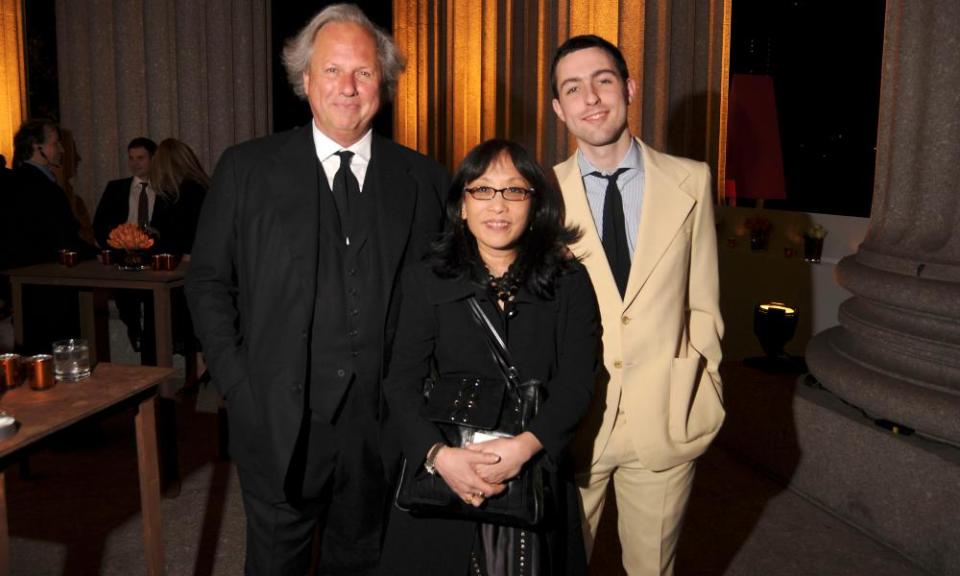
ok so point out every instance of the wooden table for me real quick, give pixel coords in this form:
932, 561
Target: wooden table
94, 280
41, 414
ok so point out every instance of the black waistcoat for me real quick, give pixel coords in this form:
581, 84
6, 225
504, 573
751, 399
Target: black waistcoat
346, 338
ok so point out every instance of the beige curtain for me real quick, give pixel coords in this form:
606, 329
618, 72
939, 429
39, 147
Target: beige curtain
197, 71
13, 104
480, 68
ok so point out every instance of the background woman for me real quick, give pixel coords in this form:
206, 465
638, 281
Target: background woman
505, 244
181, 185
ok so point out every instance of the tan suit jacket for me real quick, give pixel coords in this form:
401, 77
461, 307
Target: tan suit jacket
661, 342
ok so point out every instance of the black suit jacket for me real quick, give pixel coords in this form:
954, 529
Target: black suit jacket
554, 340
112, 210
43, 221
252, 281
174, 222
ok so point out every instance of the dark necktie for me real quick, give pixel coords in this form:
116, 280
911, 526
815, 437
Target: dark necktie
143, 207
345, 185
615, 231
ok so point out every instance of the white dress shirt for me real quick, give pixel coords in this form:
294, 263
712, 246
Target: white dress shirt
327, 154
134, 202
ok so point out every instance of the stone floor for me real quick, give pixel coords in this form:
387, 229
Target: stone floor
78, 513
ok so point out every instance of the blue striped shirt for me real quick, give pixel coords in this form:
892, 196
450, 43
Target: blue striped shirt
631, 190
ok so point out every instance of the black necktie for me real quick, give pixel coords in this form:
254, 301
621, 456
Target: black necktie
344, 186
615, 231
143, 207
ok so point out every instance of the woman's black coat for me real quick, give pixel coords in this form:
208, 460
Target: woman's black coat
555, 340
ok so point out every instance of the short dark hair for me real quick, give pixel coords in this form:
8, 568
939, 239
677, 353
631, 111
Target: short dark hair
583, 42
542, 251
32, 133
143, 142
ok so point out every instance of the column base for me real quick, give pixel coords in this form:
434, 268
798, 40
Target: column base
836, 358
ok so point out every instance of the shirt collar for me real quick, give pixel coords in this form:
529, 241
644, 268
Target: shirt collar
632, 160
327, 147
43, 168
136, 183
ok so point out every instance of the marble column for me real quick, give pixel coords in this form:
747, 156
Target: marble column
896, 353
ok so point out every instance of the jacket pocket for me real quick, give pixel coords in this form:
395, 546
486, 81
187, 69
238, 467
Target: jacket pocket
696, 408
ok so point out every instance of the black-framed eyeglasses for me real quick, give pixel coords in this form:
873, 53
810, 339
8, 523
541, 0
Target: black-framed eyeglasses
511, 193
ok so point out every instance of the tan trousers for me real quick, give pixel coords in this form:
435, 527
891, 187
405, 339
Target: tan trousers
650, 505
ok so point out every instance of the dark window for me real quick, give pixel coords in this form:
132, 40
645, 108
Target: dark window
825, 61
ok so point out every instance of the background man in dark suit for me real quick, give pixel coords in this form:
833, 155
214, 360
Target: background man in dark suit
294, 294
44, 220
42, 223
121, 199
129, 200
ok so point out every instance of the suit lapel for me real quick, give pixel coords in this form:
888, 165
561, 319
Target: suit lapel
590, 247
665, 208
395, 204
294, 188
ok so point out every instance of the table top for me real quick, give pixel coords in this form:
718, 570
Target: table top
41, 413
93, 273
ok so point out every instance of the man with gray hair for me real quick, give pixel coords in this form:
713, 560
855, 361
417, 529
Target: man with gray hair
294, 294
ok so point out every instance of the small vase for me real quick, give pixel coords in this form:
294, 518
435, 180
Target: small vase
133, 260
759, 239
812, 249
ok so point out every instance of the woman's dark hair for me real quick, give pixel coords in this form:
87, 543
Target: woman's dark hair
542, 253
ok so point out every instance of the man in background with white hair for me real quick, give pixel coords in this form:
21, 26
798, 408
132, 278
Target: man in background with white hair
294, 294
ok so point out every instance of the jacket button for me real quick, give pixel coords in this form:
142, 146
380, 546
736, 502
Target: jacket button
617, 364
341, 372
353, 333
355, 311
625, 320
296, 388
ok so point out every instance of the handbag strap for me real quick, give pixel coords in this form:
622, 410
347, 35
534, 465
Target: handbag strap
496, 345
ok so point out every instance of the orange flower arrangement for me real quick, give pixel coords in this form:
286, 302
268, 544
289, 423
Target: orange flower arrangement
130, 237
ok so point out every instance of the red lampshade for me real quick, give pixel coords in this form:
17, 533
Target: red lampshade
754, 156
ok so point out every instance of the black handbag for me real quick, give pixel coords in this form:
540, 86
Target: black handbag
462, 406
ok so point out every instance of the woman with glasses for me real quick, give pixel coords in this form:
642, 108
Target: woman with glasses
504, 244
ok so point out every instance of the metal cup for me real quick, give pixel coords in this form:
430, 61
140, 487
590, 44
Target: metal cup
11, 372
164, 262
68, 258
39, 369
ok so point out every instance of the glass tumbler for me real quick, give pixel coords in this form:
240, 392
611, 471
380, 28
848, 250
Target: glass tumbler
71, 359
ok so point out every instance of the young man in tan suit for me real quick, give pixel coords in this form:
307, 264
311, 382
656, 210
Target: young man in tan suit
649, 244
